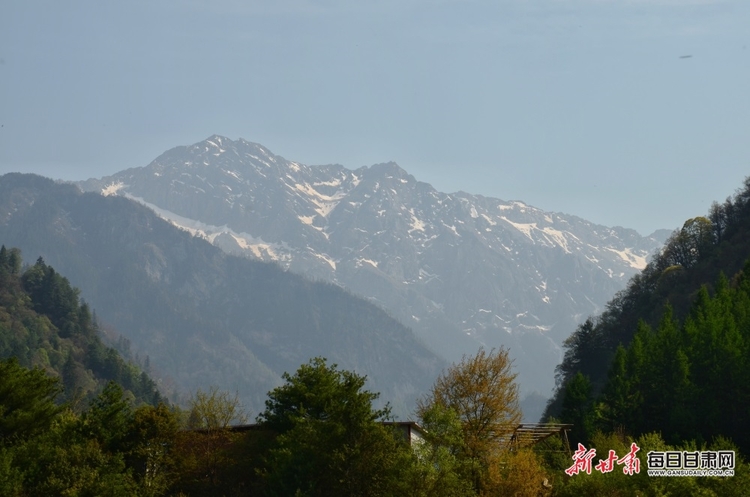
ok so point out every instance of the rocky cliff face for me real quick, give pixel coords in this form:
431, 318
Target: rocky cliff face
461, 270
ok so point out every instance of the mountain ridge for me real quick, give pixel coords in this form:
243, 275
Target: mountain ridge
205, 317
462, 270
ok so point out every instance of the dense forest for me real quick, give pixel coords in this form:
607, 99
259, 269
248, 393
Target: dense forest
43, 323
670, 356
693, 256
689, 380
319, 435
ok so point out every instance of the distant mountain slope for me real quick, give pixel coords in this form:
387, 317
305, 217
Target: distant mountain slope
462, 270
205, 317
43, 324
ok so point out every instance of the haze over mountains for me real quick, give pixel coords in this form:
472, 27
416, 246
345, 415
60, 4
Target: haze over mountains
461, 270
203, 317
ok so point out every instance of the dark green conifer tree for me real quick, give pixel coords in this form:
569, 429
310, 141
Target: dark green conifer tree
578, 408
27, 405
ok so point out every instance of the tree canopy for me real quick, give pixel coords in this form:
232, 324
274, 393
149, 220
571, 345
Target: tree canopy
27, 404
330, 441
44, 323
482, 392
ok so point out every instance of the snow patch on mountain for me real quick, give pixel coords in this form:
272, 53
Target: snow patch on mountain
368, 261
112, 188
325, 203
557, 237
416, 224
279, 252
327, 259
232, 174
333, 182
524, 228
635, 261
489, 220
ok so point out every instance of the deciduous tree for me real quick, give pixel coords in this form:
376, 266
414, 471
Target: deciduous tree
208, 441
483, 393
215, 410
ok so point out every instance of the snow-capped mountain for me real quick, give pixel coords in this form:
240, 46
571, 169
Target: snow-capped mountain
206, 318
461, 270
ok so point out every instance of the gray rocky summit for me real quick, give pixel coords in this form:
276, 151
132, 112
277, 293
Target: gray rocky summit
461, 270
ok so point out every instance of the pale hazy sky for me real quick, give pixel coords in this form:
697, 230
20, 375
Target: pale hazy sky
588, 107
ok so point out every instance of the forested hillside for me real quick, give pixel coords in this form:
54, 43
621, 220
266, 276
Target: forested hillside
690, 379
44, 324
672, 351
